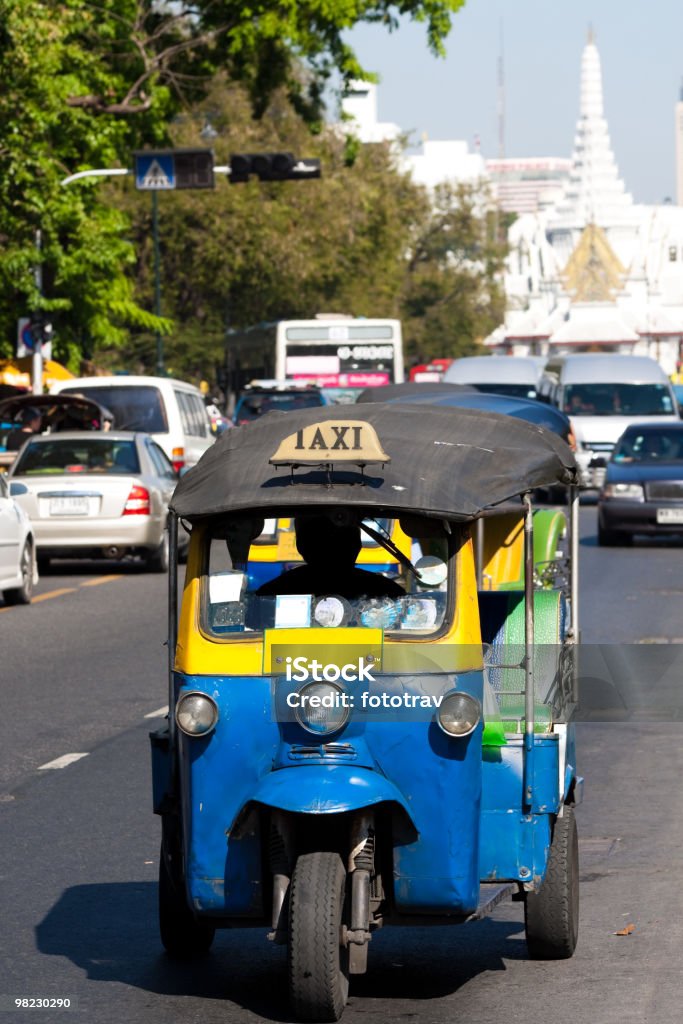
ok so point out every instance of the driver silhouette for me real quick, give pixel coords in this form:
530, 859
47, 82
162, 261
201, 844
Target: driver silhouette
330, 553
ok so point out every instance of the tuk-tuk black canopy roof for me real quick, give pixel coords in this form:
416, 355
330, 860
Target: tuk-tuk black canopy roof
445, 462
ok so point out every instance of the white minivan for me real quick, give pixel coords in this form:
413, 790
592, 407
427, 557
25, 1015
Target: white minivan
172, 411
603, 395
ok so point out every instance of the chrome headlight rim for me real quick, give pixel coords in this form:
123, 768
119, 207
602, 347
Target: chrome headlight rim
622, 491
299, 711
190, 694
475, 717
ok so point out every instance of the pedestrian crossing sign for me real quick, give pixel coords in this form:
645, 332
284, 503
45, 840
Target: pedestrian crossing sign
155, 171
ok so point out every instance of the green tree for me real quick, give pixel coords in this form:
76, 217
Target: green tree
259, 252
364, 239
85, 83
452, 295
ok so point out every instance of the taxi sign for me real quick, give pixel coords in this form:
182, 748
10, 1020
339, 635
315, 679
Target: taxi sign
331, 441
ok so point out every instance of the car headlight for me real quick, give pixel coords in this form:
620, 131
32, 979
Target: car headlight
459, 714
321, 708
196, 714
634, 492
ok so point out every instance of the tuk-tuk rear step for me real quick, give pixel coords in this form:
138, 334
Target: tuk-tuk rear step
490, 895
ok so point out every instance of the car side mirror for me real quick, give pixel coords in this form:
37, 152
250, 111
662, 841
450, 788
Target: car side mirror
16, 488
598, 463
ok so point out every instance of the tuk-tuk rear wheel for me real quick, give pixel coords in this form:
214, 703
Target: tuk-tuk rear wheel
182, 935
318, 963
551, 915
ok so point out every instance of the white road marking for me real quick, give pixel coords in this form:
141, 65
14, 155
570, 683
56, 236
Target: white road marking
61, 762
159, 713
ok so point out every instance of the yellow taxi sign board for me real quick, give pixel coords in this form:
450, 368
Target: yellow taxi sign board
331, 441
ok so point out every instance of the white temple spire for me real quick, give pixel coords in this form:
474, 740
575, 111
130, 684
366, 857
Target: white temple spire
591, 81
594, 193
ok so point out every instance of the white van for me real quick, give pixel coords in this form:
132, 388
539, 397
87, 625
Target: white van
515, 376
172, 411
603, 395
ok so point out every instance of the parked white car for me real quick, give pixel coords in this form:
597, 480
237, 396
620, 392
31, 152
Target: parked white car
18, 573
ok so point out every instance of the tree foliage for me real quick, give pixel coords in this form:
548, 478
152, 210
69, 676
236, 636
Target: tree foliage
364, 239
86, 83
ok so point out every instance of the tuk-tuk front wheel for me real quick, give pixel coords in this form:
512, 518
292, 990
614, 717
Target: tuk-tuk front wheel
318, 963
551, 915
182, 935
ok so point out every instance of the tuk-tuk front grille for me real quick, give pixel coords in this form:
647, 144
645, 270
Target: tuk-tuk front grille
337, 750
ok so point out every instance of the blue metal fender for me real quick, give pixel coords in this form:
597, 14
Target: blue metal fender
326, 789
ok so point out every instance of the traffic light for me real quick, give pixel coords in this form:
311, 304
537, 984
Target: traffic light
271, 167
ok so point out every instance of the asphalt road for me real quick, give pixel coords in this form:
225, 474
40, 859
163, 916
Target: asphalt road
83, 667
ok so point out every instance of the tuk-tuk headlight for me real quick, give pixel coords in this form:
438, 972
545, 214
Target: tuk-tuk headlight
196, 714
321, 708
459, 714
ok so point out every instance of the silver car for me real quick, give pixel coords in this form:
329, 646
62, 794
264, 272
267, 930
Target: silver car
91, 494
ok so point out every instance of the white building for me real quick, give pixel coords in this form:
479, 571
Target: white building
359, 108
679, 148
594, 270
525, 184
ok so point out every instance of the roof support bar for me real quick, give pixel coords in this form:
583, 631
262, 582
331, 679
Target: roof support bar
528, 650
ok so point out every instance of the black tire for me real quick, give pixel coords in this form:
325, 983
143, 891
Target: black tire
159, 559
182, 935
24, 593
551, 916
318, 965
43, 563
613, 538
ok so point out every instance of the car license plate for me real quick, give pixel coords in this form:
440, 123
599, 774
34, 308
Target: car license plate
73, 505
670, 515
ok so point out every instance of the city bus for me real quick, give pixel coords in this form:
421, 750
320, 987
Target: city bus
340, 353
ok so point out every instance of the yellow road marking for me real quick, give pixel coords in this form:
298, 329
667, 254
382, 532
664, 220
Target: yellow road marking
69, 590
101, 579
54, 593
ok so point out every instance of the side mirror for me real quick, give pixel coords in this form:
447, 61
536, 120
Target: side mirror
598, 462
16, 488
432, 571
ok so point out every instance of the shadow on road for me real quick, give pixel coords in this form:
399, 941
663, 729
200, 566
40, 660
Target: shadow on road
109, 932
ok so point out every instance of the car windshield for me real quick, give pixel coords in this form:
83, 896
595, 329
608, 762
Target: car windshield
511, 390
253, 405
394, 601
617, 400
650, 446
134, 406
91, 455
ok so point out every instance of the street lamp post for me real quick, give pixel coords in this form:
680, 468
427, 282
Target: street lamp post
157, 281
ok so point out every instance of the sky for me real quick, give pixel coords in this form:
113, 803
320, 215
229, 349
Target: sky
641, 50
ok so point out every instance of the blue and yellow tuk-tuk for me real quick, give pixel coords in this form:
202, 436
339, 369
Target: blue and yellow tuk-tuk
344, 750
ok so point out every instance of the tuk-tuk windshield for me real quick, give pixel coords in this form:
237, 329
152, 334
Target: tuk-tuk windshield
333, 592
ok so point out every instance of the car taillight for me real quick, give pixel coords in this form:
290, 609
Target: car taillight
178, 459
137, 503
